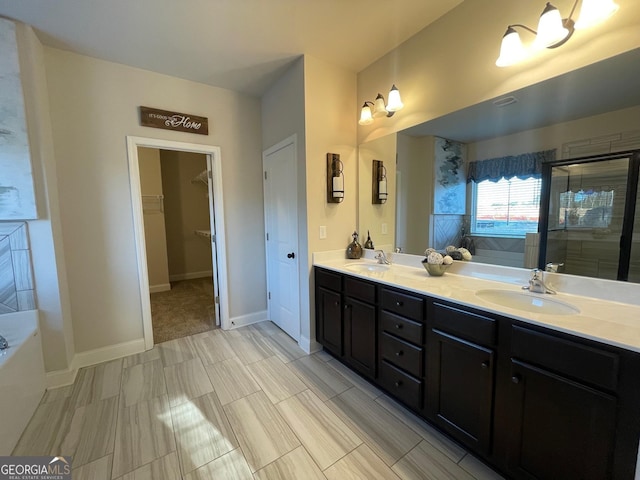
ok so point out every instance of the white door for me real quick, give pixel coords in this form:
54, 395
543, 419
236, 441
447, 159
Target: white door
212, 226
281, 223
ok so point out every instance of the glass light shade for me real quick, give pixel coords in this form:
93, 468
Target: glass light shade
593, 12
395, 102
365, 115
382, 189
511, 50
550, 28
379, 110
337, 187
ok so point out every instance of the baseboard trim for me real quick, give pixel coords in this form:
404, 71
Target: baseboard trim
163, 287
60, 378
244, 320
190, 276
308, 345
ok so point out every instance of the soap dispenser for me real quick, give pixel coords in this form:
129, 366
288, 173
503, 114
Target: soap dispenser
369, 243
354, 249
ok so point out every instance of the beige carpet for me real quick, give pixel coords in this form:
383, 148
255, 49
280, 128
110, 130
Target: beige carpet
184, 310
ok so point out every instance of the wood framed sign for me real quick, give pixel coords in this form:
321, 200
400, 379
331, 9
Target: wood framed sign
180, 122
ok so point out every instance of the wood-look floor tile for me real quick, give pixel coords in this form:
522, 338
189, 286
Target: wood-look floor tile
186, 380
323, 434
296, 464
249, 349
142, 357
277, 381
143, 382
323, 355
164, 468
213, 347
99, 469
355, 379
176, 351
47, 430
54, 394
361, 464
90, 419
323, 380
263, 435
97, 383
266, 328
451, 449
202, 432
232, 466
231, 380
144, 433
477, 469
387, 436
285, 348
425, 462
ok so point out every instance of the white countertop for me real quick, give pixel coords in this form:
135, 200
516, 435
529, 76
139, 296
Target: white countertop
614, 318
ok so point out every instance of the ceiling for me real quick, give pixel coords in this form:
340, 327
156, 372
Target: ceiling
242, 45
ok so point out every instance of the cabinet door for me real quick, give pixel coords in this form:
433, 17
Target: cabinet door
460, 388
329, 320
360, 336
560, 428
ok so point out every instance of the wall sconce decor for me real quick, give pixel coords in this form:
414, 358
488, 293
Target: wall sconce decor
379, 108
335, 178
553, 30
379, 182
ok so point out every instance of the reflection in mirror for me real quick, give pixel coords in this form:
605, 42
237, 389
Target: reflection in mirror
590, 111
590, 204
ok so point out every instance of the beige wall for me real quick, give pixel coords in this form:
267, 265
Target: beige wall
451, 64
372, 216
94, 105
45, 234
186, 210
154, 224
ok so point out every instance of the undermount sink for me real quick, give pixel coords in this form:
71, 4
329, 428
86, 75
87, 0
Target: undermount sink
366, 267
529, 302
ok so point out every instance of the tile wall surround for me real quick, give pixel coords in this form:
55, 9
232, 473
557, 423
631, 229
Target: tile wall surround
617, 142
17, 291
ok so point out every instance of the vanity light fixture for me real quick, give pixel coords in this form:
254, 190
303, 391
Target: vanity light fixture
379, 108
335, 178
379, 182
553, 30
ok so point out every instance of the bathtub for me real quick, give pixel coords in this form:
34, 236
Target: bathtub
22, 379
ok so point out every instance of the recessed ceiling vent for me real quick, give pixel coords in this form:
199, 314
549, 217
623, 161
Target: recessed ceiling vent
503, 102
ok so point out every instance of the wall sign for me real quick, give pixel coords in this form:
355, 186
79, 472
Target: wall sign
181, 122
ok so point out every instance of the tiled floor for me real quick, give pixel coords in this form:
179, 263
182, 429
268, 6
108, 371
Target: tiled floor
241, 404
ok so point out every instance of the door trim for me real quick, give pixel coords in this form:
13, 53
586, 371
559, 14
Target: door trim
220, 280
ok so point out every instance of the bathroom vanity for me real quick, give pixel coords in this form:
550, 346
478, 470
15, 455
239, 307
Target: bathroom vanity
536, 395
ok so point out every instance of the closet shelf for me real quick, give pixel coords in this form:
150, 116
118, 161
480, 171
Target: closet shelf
203, 233
201, 177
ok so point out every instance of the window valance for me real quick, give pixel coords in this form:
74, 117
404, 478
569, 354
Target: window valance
523, 166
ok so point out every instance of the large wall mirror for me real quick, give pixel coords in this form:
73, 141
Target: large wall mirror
591, 111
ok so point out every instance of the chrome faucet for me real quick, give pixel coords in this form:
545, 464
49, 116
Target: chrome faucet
536, 283
553, 267
382, 258
3, 343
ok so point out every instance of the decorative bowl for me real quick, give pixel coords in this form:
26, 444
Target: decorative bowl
434, 269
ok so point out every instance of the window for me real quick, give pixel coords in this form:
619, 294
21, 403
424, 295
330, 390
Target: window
506, 208
586, 209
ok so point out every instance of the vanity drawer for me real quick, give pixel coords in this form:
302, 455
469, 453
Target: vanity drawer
572, 359
360, 289
402, 354
404, 328
401, 385
410, 306
327, 279
468, 325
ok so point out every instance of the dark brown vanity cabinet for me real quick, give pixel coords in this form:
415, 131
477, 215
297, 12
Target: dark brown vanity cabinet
461, 373
567, 406
360, 325
329, 324
401, 346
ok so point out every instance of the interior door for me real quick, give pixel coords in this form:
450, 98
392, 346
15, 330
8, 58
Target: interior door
281, 223
212, 225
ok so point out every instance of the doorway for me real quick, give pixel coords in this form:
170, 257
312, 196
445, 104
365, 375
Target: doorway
211, 183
